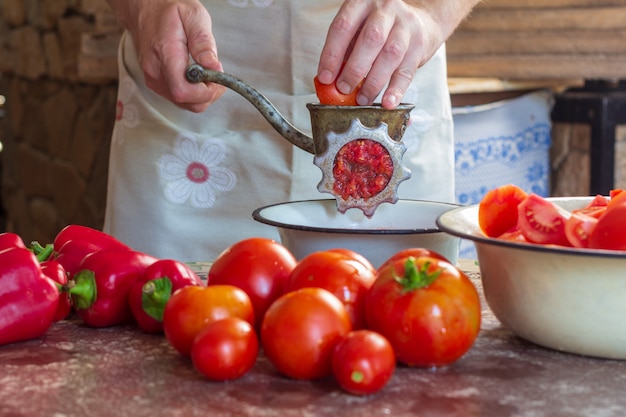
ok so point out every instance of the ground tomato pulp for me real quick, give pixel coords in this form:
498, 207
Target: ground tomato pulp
362, 169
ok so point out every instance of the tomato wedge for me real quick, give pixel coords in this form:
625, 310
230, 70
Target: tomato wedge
609, 232
541, 221
578, 228
497, 211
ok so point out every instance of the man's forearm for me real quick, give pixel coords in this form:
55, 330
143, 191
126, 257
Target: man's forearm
448, 14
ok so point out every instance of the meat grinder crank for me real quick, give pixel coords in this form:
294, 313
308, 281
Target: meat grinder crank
359, 149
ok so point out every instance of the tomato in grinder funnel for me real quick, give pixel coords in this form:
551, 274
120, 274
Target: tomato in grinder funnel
362, 169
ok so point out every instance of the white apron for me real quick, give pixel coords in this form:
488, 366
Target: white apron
183, 185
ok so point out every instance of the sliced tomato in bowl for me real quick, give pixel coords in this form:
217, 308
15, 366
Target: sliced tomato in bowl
609, 231
579, 227
497, 211
542, 221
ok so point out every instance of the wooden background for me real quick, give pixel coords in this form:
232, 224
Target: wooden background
541, 39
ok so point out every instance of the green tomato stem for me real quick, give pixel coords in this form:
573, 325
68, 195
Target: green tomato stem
415, 278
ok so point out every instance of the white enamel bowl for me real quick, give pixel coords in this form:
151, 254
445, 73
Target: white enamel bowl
572, 300
309, 226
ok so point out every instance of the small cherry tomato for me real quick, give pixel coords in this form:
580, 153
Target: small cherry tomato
259, 266
427, 309
345, 276
225, 349
497, 211
193, 307
300, 331
363, 362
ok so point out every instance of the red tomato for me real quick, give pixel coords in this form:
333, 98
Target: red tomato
300, 331
578, 228
363, 362
258, 266
225, 349
193, 307
355, 255
514, 236
542, 221
497, 211
414, 252
617, 197
427, 309
609, 231
598, 201
341, 274
328, 94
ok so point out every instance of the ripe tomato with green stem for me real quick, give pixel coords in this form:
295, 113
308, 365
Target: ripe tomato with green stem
363, 362
428, 310
192, 307
225, 349
414, 252
300, 331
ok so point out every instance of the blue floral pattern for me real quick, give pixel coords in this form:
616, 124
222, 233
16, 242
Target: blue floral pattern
526, 153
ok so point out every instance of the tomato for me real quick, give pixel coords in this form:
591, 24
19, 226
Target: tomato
328, 94
259, 266
341, 274
514, 236
193, 307
363, 362
598, 201
497, 211
427, 309
414, 252
300, 331
609, 231
542, 221
225, 349
356, 256
578, 228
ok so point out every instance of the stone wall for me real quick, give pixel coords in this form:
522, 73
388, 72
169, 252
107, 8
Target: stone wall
57, 72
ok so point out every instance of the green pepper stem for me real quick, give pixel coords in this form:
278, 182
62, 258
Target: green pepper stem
84, 290
42, 253
154, 295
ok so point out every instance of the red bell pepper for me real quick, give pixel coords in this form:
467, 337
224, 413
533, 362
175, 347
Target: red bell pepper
11, 240
101, 287
55, 272
28, 299
87, 234
74, 242
148, 296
